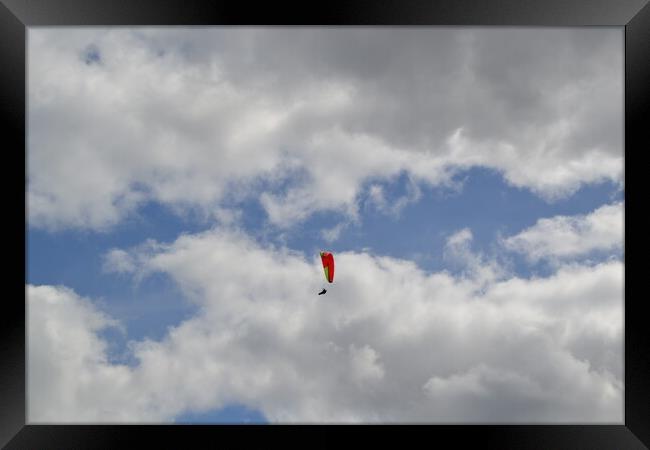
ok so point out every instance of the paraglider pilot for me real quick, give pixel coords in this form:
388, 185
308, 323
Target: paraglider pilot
328, 267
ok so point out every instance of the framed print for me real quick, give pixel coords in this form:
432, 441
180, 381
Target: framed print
358, 218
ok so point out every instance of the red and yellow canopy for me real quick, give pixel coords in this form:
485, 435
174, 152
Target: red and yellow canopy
328, 265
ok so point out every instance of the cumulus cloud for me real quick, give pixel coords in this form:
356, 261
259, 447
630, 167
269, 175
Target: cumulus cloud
482, 269
69, 376
388, 343
365, 366
193, 118
571, 236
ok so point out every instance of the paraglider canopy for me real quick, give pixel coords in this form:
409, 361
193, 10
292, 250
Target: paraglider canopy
328, 265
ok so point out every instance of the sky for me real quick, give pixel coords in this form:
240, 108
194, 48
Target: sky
181, 183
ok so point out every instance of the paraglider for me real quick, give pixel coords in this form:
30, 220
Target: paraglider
328, 267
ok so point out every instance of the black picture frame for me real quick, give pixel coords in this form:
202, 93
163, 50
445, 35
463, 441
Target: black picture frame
16, 16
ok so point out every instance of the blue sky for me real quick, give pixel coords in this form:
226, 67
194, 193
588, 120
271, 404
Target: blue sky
127, 219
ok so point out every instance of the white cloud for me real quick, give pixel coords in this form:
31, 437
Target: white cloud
119, 261
365, 365
460, 239
332, 234
571, 236
388, 342
228, 217
70, 379
377, 198
192, 117
481, 269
